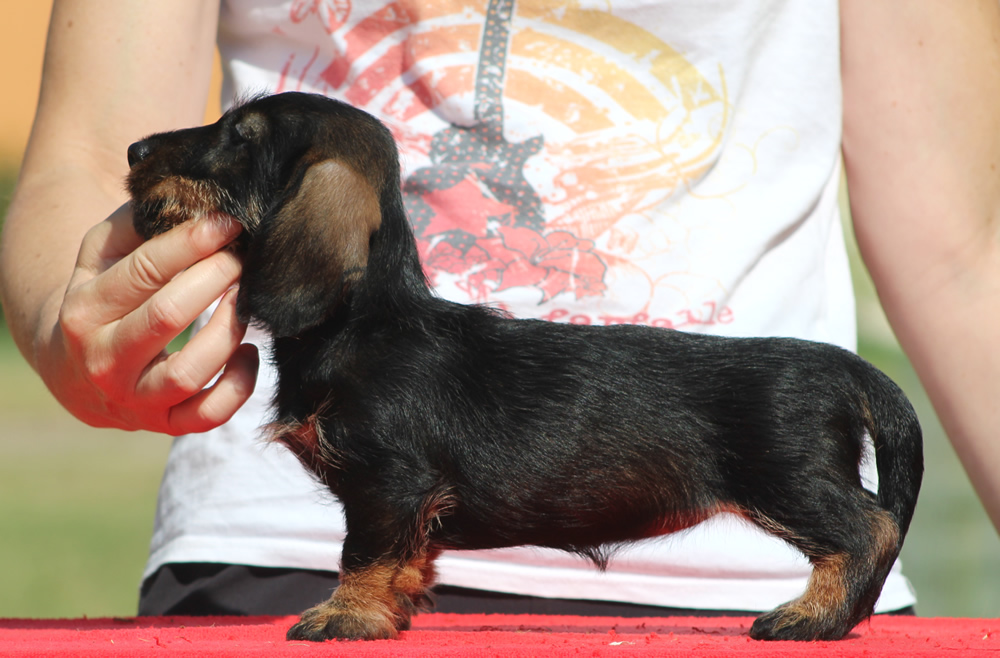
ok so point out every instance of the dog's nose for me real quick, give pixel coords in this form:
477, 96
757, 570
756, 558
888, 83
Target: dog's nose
137, 152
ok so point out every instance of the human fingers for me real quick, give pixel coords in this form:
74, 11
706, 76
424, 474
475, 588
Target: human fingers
83, 308
110, 358
178, 376
215, 405
108, 242
113, 281
102, 362
142, 334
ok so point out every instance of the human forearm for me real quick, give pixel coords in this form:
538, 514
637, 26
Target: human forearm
92, 308
113, 72
922, 152
90, 305
35, 266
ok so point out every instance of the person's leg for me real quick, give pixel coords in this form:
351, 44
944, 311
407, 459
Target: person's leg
232, 589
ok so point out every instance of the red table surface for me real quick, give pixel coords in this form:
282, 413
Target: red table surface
490, 635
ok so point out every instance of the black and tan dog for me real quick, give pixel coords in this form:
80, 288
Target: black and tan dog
445, 426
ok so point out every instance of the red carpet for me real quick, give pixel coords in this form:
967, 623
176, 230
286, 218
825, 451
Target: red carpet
489, 635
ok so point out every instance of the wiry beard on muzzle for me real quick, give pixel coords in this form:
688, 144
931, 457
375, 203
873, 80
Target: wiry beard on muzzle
177, 199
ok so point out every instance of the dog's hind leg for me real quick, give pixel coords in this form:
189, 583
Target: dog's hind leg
850, 564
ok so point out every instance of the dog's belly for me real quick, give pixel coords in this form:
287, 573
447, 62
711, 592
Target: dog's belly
571, 527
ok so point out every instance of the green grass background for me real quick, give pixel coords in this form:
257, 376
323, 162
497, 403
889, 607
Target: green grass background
77, 503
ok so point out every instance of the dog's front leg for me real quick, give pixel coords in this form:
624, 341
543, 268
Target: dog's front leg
363, 607
384, 573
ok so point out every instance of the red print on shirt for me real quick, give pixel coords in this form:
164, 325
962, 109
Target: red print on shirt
474, 213
331, 13
624, 122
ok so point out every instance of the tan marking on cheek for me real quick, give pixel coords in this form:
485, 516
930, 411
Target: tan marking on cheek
176, 199
195, 195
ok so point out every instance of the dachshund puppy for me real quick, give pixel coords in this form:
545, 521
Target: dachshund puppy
446, 426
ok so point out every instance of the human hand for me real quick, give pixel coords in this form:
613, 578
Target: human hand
106, 360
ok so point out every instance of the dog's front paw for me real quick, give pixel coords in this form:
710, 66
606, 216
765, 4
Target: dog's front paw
332, 622
791, 622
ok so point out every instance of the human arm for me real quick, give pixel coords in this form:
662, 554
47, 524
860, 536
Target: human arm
95, 331
922, 157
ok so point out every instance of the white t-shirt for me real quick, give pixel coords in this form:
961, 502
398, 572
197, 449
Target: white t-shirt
667, 162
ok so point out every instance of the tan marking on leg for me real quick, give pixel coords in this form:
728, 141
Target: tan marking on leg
413, 580
363, 607
885, 533
841, 592
825, 595
410, 579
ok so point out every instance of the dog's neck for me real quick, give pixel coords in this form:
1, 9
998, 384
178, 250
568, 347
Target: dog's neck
390, 299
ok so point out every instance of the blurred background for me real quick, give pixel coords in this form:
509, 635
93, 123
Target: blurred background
77, 503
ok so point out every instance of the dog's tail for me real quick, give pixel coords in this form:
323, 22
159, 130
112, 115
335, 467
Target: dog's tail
895, 432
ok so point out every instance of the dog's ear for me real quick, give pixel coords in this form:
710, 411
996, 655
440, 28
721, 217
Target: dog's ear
304, 259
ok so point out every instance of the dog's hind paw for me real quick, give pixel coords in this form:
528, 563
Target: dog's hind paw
329, 622
790, 622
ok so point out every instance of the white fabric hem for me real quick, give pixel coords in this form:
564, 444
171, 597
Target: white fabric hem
465, 569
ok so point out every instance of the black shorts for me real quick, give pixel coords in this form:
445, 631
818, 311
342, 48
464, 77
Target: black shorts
232, 589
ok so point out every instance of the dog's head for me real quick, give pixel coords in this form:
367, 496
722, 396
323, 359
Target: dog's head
305, 176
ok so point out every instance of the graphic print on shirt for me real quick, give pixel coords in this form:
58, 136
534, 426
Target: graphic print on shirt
475, 169
500, 211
